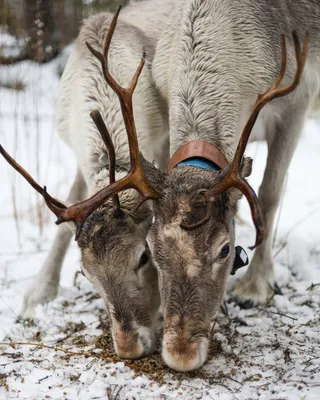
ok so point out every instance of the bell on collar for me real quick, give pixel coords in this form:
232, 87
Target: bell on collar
241, 259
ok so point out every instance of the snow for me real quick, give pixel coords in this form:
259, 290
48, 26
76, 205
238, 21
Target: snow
10, 45
270, 352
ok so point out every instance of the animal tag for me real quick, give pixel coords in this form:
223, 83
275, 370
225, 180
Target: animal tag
241, 259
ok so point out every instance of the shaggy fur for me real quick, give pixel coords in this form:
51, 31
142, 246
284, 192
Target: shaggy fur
211, 63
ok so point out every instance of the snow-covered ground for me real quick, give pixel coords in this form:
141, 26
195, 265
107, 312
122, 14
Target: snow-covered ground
264, 353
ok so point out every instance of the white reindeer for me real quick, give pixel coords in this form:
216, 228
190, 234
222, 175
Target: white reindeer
211, 63
115, 257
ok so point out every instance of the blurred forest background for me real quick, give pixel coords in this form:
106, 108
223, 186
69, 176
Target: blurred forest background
36, 39
44, 27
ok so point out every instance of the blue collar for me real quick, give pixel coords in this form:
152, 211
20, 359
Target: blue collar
203, 163
199, 162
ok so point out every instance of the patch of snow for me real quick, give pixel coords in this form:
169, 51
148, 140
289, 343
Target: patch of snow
10, 45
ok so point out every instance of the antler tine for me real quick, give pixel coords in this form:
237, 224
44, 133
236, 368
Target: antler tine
274, 92
42, 190
135, 179
108, 77
101, 126
230, 176
135, 78
256, 212
279, 78
124, 94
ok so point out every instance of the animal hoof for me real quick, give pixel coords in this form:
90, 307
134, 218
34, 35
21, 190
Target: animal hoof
245, 305
277, 289
251, 291
39, 293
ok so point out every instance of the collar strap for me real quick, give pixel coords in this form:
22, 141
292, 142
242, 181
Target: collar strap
198, 148
199, 162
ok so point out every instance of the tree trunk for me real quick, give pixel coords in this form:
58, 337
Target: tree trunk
39, 25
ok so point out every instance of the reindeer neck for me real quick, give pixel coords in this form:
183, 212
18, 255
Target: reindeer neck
199, 153
204, 108
204, 88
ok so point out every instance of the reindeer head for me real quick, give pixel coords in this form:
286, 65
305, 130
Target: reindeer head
117, 261
193, 264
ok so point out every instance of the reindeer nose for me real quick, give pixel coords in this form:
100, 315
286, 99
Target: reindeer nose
133, 346
129, 353
184, 356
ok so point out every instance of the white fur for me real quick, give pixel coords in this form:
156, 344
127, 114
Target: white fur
180, 363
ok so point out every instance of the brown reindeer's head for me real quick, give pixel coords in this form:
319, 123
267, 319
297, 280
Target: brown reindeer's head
193, 265
117, 261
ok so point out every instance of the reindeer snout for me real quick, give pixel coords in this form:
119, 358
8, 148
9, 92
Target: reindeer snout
133, 345
184, 355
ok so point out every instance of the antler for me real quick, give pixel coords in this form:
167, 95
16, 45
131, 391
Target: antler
101, 126
51, 202
230, 176
134, 180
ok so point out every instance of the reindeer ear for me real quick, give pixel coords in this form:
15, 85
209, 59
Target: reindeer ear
246, 167
245, 171
154, 175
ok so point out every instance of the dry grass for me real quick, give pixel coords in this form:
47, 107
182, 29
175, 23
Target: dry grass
152, 366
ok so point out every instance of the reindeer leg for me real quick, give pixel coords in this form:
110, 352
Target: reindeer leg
45, 286
258, 285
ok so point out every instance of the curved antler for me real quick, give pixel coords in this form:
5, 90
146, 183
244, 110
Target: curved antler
42, 190
136, 179
230, 176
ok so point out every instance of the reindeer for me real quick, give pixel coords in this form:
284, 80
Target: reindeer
211, 69
115, 257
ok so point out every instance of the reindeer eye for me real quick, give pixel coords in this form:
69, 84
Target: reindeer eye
144, 258
225, 251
